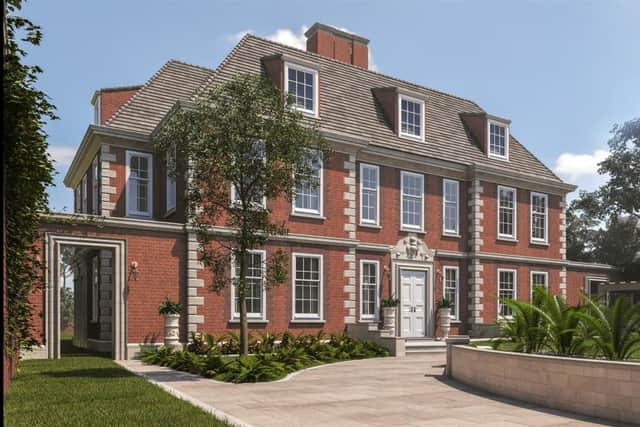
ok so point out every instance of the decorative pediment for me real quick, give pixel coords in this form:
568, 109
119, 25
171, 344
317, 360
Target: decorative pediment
412, 248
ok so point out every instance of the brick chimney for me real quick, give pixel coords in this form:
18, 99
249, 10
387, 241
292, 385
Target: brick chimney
107, 101
338, 44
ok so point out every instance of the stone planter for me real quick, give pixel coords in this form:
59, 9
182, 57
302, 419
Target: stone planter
444, 321
172, 330
389, 316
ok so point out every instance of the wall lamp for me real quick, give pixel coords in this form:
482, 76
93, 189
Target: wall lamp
134, 270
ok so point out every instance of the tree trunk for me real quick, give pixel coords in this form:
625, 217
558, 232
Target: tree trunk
241, 291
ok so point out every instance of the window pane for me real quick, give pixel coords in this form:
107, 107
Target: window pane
369, 289
506, 289
254, 284
410, 117
301, 87
307, 285
307, 195
497, 141
451, 289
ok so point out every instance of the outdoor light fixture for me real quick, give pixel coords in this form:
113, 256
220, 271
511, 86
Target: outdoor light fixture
134, 269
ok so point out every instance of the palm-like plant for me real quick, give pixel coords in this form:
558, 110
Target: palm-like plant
562, 323
525, 330
614, 330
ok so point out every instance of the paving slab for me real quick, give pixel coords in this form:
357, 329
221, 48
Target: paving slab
408, 391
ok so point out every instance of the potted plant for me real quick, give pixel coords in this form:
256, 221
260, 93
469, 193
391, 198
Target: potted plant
444, 316
171, 312
389, 313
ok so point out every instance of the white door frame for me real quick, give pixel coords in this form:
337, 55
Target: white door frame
53, 243
427, 267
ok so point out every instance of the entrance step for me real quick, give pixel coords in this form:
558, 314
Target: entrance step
424, 345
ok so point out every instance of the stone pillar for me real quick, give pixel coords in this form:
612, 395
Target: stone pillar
106, 295
563, 246
475, 280
193, 284
106, 175
350, 227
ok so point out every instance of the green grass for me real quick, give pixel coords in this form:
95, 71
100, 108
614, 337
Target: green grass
88, 390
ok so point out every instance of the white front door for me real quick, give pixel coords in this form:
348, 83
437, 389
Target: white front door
413, 302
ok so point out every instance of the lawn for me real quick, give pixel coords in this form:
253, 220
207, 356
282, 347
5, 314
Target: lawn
91, 390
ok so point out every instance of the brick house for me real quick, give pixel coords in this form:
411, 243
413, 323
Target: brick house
426, 195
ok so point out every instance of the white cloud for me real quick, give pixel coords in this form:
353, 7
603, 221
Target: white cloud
62, 155
372, 65
236, 37
575, 166
290, 37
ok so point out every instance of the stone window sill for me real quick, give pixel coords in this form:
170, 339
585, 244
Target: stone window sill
318, 321
451, 235
507, 240
249, 321
540, 243
377, 227
308, 215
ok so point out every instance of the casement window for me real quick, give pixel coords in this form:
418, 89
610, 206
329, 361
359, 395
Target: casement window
139, 184
539, 278
369, 194
507, 213
369, 289
302, 84
308, 195
84, 194
411, 205
307, 285
411, 117
254, 290
498, 140
170, 183
539, 217
95, 288
78, 199
451, 289
450, 206
506, 289
95, 186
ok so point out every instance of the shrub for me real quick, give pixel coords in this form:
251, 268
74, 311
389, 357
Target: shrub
169, 307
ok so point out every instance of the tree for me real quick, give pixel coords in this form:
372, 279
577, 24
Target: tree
26, 110
240, 143
603, 225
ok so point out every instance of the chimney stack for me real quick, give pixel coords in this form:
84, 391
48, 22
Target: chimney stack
338, 44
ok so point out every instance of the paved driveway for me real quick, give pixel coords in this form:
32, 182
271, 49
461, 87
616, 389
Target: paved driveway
408, 391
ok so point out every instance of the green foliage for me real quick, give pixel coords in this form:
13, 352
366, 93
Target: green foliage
444, 303
66, 306
28, 173
549, 325
615, 330
274, 355
240, 138
168, 306
616, 205
389, 302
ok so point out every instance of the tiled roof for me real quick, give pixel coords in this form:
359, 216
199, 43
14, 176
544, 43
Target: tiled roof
173, 82
347, 105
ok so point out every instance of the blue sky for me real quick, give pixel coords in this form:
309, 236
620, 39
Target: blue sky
563, 71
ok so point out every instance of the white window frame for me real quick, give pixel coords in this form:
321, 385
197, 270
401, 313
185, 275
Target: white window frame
170, 187
95, 289
546, 281
506, 140
365, 221
85, 208
129, 210
546, 217
411, 227
307, 316
311, 212
515, 289
95, 185
376, 315
511, 237
450, 232
235, 316
401, 134
287, 65
455, 317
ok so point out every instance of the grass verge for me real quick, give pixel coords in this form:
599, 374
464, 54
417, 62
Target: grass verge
83, 391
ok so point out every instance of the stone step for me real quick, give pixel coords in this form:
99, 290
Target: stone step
424, 345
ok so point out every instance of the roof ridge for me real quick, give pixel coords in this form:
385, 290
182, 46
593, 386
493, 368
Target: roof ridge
222, 63
177, 61
135, 95
360, 68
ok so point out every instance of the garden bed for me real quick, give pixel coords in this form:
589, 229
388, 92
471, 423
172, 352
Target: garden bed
272, 356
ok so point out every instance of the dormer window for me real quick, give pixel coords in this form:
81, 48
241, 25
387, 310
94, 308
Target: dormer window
302, 84
411, 117
498, 140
